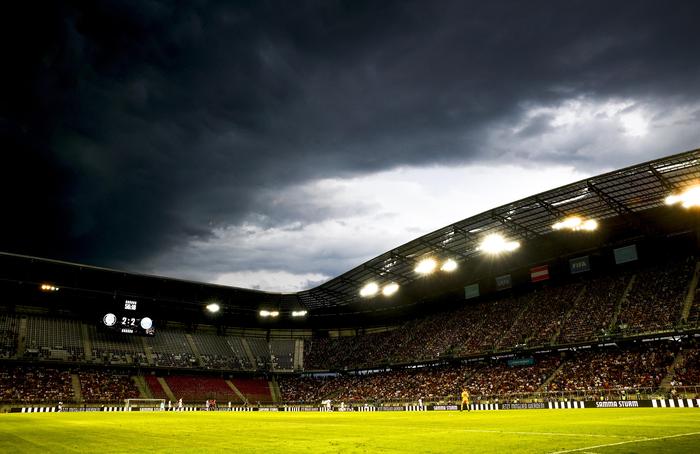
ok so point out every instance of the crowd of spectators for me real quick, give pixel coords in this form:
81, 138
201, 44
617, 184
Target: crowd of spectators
687, 372
588, 370
174, 360
593, 312
221, 362
101, 386
27, 384
656, 300
501, 379
434, 383
541, 319
431, 384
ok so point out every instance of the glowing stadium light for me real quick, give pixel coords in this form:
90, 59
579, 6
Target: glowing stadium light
369, 289
213, 308
449, 265
576, 224
495, 244
426, 266
48, 288
390, 289
298, 313
688, 198
266, 313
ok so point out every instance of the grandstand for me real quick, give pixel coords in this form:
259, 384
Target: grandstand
610, 314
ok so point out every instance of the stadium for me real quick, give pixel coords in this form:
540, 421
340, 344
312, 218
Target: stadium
571, 318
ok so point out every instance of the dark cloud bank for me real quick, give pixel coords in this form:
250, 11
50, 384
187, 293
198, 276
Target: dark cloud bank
130, 127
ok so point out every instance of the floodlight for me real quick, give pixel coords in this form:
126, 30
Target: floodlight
264, 313
688, 198
575, 223
274, 313
48, 288
369, 289
213, 307
426, 266
298, 313
495, 244
390, 289
449, 265
590, 225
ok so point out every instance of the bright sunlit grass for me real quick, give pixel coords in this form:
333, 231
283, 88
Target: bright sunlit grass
587, 430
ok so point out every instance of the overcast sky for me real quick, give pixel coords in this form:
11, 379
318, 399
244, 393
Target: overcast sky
275, 145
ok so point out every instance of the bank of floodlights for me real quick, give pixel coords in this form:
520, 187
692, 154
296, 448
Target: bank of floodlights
426, 266
48, 288
496, 244
298, 313
576, 224
213, 308
265, 313
372, 288
687, 199
390, 289
448, 266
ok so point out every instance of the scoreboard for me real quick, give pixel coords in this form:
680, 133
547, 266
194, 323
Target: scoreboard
128, 319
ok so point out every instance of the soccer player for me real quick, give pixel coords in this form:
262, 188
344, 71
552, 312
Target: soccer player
465, 399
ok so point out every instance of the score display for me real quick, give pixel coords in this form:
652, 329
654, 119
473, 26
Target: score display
128, 320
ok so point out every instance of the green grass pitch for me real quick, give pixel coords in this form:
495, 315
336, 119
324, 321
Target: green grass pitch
583, 430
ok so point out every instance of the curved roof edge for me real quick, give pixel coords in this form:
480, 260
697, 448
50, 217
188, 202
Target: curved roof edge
625, 191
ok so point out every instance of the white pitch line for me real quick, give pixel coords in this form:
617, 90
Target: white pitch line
641, 440
560, 434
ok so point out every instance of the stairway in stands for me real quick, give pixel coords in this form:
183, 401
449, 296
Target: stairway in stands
623, 299
235, 390
690, 296
665, 384
549, 379
573, 304
77, 392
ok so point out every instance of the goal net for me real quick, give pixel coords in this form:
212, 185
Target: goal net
145, 403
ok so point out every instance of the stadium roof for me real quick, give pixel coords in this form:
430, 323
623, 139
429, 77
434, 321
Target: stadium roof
619, 200
615, 194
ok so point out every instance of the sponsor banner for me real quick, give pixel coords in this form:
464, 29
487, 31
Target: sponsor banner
625, 254
539, 273
443, 407
269, 409
471, 291
521, 362
504, 282
618, 403
301, 409
579, 265
390, 408
524, 406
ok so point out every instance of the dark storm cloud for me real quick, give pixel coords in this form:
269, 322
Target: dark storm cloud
129, 127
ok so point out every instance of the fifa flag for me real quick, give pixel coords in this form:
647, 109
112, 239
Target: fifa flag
579, 265
539, 273
503, 282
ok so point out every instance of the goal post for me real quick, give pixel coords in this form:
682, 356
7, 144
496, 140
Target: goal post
144, 403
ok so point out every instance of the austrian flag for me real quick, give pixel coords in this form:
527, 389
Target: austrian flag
539, 273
